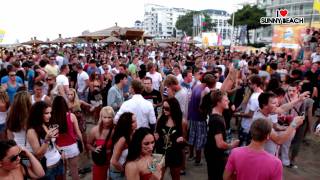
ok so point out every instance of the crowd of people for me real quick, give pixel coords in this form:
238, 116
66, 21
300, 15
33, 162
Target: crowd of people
154, 108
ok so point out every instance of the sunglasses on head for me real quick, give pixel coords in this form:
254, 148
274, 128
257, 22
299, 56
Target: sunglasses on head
14, 158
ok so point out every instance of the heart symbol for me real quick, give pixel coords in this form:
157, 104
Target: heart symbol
283, 12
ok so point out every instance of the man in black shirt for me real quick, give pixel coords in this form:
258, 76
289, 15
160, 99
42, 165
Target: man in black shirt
151, 94
216, 146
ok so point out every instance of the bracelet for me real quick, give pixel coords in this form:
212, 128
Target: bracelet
46, 141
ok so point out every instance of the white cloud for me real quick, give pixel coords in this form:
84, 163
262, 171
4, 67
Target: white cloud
46, 19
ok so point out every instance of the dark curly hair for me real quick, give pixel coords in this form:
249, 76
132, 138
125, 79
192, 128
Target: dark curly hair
59, 114
123, 128
5, 145
134, 150
175, 113
36, 120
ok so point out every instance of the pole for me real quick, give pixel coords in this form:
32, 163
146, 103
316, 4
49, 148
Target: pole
232, 33
311, 20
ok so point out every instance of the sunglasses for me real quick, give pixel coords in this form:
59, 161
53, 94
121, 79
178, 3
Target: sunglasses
14, 158
166, 108
11, 75
48, 79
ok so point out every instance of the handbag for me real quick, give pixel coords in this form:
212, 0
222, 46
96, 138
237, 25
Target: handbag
43, 162
80, 145
100, 158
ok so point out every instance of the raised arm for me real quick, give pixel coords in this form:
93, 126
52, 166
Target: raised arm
35, 169
230, 80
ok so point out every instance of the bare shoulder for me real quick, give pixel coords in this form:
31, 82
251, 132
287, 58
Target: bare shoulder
73, 117
31, 132
132, 166
121, 142
94, 131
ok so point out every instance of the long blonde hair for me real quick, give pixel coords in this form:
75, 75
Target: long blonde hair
76, 100
19, 112
4, 97
105, 110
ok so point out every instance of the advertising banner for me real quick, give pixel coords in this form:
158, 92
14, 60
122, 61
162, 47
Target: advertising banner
289, 36
209, 39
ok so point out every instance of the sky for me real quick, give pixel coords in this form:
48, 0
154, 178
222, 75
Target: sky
23, 19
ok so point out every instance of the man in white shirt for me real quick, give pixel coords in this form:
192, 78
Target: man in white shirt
268, 106
62, 81
177, 73
82, 83
154, 75
142, 108
181, 94
255, 84
60, 60
307, 36
316, 56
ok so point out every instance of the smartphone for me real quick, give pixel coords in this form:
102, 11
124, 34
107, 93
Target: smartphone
24, 158
236, 63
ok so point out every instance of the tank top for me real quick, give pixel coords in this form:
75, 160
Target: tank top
67, 138
100, 142
52, 154
20, 139
3, 117
33, 100
146, 176
123, 157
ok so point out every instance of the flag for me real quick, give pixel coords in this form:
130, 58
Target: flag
203, 23
219, 40
316, 5
2, 32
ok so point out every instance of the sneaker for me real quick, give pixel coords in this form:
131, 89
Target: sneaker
292, 166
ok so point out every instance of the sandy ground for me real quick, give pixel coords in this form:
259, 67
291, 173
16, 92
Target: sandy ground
308, 163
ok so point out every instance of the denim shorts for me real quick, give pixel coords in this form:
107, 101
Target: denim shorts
114, 175
2, 128
58, 170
